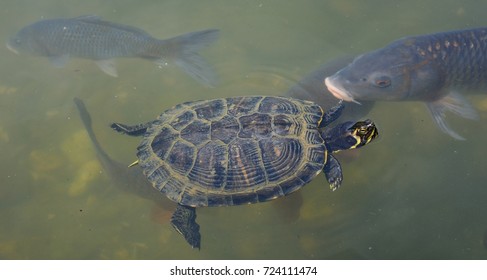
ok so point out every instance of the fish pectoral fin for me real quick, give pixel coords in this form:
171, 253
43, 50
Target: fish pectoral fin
108, 66
455, 103
59, 61
458, 104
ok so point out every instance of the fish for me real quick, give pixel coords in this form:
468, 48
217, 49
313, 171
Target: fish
434, 69
128, 179
311, 87
92, 38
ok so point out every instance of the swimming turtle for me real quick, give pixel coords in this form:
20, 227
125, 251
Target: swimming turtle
241, 150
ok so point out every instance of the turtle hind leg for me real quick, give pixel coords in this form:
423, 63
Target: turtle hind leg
333, 172
132, 130
184, 221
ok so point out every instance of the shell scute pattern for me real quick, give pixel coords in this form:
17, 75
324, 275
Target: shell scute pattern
197, 132
266, 194
255, 125
285, 125
291, 185
181, 157
233, 151
281, 157
225, 129
163, 141
182, 120
242, 105
245, 166
269, 106
210, 176
210, 110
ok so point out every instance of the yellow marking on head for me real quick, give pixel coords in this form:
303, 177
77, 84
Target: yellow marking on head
357, 142
363, 136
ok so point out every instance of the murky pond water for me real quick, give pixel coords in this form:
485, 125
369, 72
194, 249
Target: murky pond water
413, 194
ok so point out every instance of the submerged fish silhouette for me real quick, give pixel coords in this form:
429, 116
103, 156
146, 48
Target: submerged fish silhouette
129, 179
92, 38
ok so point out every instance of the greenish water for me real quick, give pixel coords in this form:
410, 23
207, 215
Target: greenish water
414, 194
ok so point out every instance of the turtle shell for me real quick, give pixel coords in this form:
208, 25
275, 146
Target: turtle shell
233, 151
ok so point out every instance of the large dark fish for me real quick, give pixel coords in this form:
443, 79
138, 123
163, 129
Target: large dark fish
429, 68
92, 38
129, 179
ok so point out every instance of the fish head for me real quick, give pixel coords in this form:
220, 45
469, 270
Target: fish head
21, 42
25, 41
393, 73
14, 44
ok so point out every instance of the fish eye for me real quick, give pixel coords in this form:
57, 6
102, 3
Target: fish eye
364, 79
382, 82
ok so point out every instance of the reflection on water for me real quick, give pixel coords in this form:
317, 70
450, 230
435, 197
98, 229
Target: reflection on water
414, 193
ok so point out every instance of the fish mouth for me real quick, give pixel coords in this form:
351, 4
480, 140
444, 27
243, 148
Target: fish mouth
12, 49
339, 92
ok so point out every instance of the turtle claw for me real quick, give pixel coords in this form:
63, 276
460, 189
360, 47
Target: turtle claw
333, 172
335, 185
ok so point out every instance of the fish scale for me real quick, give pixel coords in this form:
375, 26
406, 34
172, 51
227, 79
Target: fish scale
462, 57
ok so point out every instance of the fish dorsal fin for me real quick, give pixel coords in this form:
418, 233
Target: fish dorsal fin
88, 18
455, 103
97, 20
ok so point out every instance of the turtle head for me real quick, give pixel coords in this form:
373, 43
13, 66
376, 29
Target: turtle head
350, 135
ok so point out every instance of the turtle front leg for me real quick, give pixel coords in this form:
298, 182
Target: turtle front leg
132, 130
332, 114
333, 172
184, 221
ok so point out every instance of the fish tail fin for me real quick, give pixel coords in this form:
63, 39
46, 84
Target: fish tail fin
456, 104
184, 51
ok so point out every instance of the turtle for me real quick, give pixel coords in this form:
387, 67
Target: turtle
241, 150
